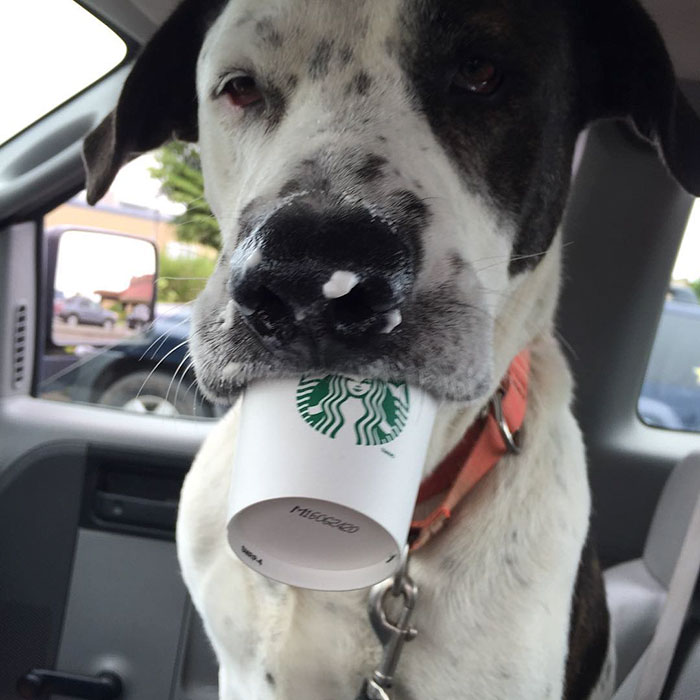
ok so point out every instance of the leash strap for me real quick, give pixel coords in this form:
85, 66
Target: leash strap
489, 439
659, 656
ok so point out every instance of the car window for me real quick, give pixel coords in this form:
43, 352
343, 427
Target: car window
122, 277
670, 396
69, 50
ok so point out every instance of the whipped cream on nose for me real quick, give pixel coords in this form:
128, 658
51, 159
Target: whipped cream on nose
393, 319
253, 260
340, 283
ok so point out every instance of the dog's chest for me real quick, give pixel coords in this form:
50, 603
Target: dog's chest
495, 595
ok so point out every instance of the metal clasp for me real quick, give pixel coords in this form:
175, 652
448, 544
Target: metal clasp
509, 439
392, 634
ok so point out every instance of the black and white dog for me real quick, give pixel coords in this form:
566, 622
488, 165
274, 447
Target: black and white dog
413, 157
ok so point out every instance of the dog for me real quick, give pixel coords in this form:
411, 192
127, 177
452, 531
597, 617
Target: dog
389, 177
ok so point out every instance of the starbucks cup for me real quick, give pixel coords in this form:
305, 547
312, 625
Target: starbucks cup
325, 477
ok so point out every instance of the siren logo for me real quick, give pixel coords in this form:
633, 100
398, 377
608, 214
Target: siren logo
326, 403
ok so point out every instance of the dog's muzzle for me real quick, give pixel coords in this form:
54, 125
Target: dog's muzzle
308, 282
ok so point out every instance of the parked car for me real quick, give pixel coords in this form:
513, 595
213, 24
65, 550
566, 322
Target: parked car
146, 373
139, 316
59, 299
81, 310
684, 294
671, 392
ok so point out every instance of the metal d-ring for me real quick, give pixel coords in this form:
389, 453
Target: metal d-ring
509, 439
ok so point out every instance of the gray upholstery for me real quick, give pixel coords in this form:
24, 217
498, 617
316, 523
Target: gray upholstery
687, 683
671, 519
637, 589
635, 599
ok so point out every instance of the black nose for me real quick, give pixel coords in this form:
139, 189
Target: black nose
307, 278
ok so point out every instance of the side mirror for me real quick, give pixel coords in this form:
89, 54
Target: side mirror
131, 352
103, 286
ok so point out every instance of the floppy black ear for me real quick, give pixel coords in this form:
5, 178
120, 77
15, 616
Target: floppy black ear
158, 101
626, 72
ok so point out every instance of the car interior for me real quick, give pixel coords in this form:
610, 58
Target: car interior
89, 580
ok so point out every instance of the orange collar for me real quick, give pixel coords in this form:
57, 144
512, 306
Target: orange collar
481, 448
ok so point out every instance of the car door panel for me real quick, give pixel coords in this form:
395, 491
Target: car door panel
120, 622
39, 515
87, 508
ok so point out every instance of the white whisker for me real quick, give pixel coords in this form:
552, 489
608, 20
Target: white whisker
177, 369
160, 362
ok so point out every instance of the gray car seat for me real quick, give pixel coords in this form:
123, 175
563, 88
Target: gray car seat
637, 590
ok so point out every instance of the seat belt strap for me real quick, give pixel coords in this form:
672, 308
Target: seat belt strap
659, 655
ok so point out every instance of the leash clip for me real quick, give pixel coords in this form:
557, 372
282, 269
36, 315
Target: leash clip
392, 634
510, 440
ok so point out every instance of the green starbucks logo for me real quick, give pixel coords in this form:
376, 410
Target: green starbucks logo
323, 403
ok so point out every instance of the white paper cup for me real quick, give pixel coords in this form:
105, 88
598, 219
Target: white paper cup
325, 478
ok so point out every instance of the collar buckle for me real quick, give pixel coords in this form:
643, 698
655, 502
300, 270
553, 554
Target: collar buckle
510, 439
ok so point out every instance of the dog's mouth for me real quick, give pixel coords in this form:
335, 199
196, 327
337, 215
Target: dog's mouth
441, 346
321, 284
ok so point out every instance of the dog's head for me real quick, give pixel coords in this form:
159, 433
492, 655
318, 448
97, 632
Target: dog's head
388, 175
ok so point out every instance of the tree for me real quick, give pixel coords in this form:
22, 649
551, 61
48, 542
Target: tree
180, 173
182, 279
696, 288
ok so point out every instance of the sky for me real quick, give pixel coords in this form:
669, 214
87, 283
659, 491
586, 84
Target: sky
134, 185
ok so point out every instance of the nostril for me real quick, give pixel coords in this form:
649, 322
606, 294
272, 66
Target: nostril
247, 296
363, 310
381, 296
351, 310
265, 310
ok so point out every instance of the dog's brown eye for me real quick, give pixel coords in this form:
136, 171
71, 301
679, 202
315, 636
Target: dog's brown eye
478, 76
243, 91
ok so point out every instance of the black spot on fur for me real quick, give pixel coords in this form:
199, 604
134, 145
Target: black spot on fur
410, 206
372, 168
290, 187
268, 34
276, 106
589, 628
411, 215
248, 211
345, 55
245, 19
270, 678
360, 84
381, 139
320, 59
458, 265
